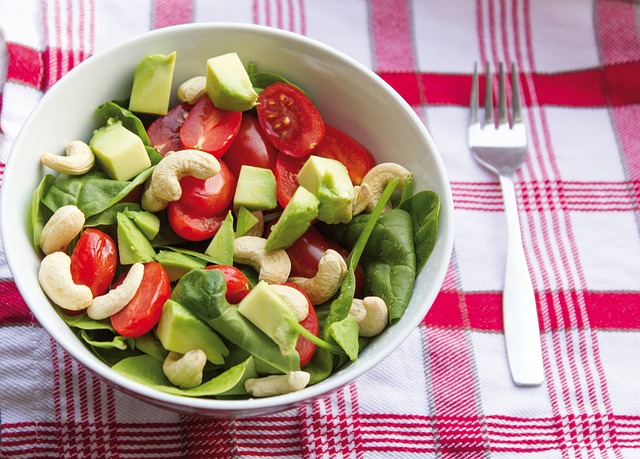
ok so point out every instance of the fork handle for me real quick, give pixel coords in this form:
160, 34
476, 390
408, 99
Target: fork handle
520, 317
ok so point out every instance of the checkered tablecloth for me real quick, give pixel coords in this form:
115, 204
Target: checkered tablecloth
447, 392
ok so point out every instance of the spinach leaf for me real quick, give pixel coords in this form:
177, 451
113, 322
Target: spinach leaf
345, 333
39, 214
112, 110
234, 327
148, 371
389, 259
202, 291
108, 216
92, 193
261, 80
424, 208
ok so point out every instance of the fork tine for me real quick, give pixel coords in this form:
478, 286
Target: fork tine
473, 104
488, 97
502, 98
517, 113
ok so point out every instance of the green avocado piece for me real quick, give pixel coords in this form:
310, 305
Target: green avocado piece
329, 180
228, 84
256, 189
266, 309
119, 152
220, 248
133, 245
177, 264
149, 344
245, 221
179, 330
152, 79
294, 221
146, 221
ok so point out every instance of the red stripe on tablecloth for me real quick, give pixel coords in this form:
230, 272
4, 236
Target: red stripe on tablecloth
24, 65
283, 14
536, 196
206, 437
391, 30
606, 310
171, 12
336, 418
13, 309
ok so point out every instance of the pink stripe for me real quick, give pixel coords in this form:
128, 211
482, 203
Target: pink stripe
392, 36
171, 12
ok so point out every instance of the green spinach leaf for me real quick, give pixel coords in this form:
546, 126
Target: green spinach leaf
202, 291
38, 213
92, 193
424, 208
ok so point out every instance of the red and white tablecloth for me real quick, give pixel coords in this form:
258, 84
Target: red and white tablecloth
447, 391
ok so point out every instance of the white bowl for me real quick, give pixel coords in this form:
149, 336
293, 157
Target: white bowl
348, 95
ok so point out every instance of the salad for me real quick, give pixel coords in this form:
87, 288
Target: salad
232, 245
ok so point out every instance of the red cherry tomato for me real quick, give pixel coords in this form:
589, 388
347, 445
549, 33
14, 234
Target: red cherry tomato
143, 312
305, 347
238, 285
340, 146
208, 128
94, 261
286, 173
306, 251
190, 226
289, 119
209, 197
250, 147
164, 132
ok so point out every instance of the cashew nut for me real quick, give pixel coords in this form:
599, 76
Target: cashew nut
273, 266
56, 281
376, 180
79, 159
185, 370
116, 299
296, 300
360, 201
269, 386
371, 313
321, 287
164, 185
192, 89
64, 225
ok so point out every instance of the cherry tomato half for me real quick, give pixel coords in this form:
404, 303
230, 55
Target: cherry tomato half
238, 285
250, 147
305, 347
143, 312
286, 173
94, 261
340, 146
164, 132
289, 119
209, 197
190, 226
208, 128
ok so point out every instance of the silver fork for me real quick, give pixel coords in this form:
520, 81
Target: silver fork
502, 150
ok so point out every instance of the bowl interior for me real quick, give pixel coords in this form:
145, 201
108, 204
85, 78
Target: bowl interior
348, 96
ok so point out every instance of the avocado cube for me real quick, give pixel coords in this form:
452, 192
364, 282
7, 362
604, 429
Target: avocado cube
179, 330
119, 152
133, 245
177, 264
256, 189
294, 221
152, 79
266, 309
228, 84
245, 221
329, 180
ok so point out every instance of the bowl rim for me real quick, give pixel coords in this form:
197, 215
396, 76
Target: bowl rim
234, 408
